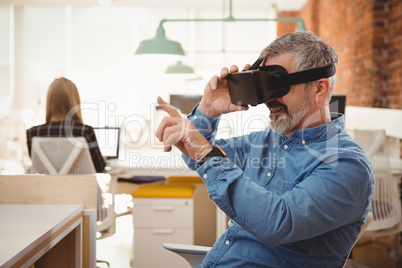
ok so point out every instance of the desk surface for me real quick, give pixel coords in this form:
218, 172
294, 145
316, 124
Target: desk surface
24, 227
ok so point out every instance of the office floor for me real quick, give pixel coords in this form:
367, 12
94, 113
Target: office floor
116, 249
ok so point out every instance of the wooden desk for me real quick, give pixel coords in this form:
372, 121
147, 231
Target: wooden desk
50, 235
59, 189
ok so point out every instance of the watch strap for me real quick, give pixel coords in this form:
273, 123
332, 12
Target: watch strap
216, 151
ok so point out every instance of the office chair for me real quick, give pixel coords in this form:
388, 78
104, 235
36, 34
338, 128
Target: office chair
194, 255
62, 156
386, 204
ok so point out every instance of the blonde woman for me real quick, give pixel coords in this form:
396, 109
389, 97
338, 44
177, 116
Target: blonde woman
63, 118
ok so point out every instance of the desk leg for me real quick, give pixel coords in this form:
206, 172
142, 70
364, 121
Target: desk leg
89, 239
78, 245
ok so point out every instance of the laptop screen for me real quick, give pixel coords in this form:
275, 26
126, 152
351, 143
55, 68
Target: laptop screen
185, 103
337, 104
108, 141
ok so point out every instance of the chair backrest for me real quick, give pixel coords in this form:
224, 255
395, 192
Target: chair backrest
386, 206
67, 155
368, 220
61, 156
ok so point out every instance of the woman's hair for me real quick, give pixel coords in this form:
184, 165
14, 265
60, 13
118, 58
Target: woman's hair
63, 96
310, 51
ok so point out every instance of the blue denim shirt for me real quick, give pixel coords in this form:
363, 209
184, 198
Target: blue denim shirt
297, 202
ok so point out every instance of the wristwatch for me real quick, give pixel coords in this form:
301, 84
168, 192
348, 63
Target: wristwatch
216, 151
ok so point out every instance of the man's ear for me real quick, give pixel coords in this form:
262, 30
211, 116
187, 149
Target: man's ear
322, 90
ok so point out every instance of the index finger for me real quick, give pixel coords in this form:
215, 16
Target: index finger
224, 72
167, 107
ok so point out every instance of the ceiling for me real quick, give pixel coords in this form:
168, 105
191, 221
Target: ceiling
282, 5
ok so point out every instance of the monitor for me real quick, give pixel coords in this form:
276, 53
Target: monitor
337, 103
185, 103
108, 141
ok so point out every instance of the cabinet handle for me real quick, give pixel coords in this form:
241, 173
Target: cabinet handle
162, 231
162, 208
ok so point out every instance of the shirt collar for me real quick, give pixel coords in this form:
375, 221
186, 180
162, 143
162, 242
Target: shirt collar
319, 133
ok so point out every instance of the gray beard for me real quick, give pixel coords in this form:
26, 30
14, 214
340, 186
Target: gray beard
285, 123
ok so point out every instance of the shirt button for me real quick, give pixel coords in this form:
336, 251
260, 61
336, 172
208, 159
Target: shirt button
195, 117
269, 174
227, 242
303, 141
286, 146
205, 176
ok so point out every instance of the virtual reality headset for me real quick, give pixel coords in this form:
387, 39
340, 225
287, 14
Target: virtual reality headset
260, 83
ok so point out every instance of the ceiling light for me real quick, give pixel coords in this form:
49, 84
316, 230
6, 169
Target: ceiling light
160, 45
179, 68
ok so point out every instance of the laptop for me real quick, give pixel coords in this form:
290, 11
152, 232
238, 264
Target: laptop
108, 141
185, 103
337, 103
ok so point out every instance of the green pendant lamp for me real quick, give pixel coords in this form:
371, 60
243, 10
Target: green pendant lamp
179, 68
300, 26
160, 45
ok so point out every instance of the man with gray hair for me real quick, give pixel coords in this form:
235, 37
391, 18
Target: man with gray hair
306, 211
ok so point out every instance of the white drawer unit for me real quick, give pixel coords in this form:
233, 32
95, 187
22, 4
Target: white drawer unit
163, 212
157, 221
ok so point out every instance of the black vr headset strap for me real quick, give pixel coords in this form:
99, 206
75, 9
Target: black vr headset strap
311, 75
256, 64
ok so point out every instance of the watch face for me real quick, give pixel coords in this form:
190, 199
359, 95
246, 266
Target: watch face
215, 152
220, 149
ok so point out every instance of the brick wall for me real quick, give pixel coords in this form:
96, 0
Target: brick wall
394, 67
367, 35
